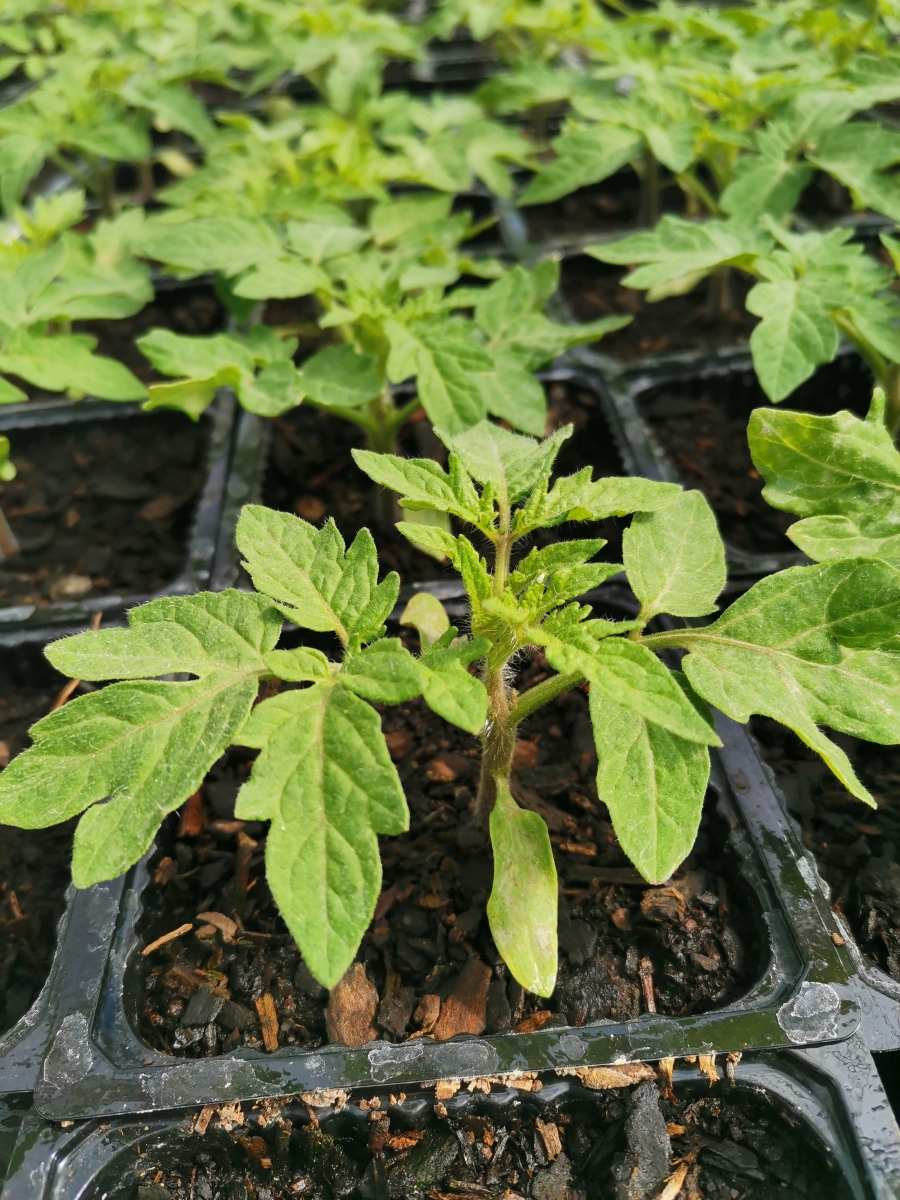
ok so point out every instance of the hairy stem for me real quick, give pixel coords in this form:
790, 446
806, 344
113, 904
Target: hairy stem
649, 200
498, 739
892, 400
543, 693
9, 545
721, 302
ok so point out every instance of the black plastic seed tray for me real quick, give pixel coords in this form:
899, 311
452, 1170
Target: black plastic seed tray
35, 622
642, 399
828, 1101
97, 1065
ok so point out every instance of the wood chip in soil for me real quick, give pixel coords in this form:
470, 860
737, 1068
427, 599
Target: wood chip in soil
718, 1143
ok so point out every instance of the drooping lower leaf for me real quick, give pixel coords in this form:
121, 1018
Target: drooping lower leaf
653, 784
326, 782
774, 652
522, 907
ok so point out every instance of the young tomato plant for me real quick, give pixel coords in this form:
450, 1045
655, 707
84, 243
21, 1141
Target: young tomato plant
804, 647
813, 288
386, 292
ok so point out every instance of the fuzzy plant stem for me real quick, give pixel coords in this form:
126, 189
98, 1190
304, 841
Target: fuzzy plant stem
9, 544
505, 708
721, 301
384, 422
649, 201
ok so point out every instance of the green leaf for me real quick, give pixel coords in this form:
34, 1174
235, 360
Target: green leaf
384, 671
578, 498
339, 377
774, 652
763, 184
427, 616
522, 907
303, 664
21, 157
191, 396
674, 558
839, 472
146, 745
450, 690
630, 675
422, 483
196, 357
449, 367
862, 156
277, 388
318, 242
513, 465
9, 393
325, 780
796, 334
513, 394
679, 249
67, 363
584, 157
229, 244
652, 782
281, 279
309, 576
429, 538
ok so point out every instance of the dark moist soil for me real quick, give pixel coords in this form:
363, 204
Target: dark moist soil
101, 507
679, 323
701, 423
34, 868
192, 309
856, 847
312, 473
725, 1143
696, 941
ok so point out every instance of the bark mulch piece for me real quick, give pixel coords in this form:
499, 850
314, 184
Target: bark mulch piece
312, 473
101, 507
427, 963
856, 847
620, 1144
702, 425
34, 873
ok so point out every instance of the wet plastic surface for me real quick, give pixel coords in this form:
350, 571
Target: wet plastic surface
97, 1065
32, 622
832, 1096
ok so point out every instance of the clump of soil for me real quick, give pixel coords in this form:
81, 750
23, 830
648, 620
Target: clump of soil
34, 873
101, 507
428, 963
619, 1144
701, 423
593, 289
856, 847
312, 473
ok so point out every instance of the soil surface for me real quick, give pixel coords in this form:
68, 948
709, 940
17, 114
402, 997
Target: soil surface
192, 309
34, 871
312, 473
720, 1143
702, 424
428, 963
593, 289
101, 506
856, 847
